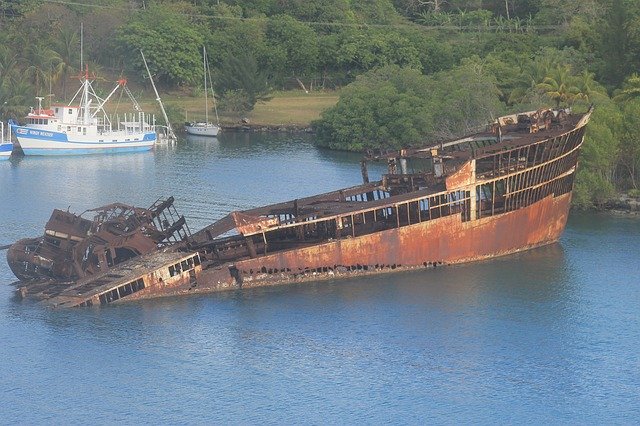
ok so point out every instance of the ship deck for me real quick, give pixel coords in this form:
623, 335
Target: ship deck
75, 293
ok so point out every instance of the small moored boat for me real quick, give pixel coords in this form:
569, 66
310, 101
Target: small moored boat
6, 147
204, 128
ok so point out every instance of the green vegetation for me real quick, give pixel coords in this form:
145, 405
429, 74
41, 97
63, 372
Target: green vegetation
408, 71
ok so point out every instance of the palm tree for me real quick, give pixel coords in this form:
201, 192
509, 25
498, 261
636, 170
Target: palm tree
14, 91
68, 49
531, 74
42, 60
630, 89
560, 86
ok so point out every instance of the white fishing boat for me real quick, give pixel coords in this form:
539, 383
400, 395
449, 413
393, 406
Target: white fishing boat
205, 128
6, 147
85, 128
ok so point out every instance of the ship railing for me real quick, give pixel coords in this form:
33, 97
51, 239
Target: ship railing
489, 198
386, 213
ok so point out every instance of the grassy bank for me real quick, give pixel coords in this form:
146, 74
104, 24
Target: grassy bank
291, 108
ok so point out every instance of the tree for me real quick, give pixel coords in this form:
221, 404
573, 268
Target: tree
314, 11
560, 87
68, 50
630, 89
42, 62
15, 89
600, 153
294, 46
239, 77
463, 99
384, 108
393, 107
366, 50
630, 140
170, 41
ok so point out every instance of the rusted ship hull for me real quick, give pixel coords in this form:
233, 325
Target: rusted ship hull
423, 245
481, 197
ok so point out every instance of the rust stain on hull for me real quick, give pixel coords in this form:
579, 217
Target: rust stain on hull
444, 241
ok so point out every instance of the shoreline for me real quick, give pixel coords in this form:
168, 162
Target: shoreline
623, 205
266, 128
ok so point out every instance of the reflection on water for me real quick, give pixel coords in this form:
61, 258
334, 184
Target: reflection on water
548, 335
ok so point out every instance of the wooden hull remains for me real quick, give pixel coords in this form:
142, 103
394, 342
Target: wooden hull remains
483, 196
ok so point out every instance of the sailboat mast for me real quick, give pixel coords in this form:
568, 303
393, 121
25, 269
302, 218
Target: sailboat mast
213, 94
204, 69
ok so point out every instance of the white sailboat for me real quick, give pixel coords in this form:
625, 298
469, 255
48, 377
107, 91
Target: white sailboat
205, 128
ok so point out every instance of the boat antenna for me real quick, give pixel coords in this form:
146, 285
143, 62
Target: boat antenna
170, 133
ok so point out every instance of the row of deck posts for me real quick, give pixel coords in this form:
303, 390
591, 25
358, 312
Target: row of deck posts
472, 193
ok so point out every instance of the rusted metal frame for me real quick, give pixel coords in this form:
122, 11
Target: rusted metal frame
538, 173
531, 182
527, 180
559, 161
561, 176
522, 184
493, 198
555, 165
539, 153
518, 186
358, 211
509, 194
512, 188
545, 167
353, 226
546, 151
519, 164
526, 157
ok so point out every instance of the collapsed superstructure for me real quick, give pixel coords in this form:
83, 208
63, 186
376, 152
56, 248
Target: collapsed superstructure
488, 194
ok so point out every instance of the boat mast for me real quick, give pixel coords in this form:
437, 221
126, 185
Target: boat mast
170, 133
204, 69
87, 101
213, 94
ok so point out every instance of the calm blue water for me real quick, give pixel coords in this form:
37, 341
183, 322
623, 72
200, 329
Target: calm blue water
551, 335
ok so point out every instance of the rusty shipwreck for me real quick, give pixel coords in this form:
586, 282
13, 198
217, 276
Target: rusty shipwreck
492, 193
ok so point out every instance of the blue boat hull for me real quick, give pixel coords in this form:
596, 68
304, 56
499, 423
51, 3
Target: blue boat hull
45, 142
5, 151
